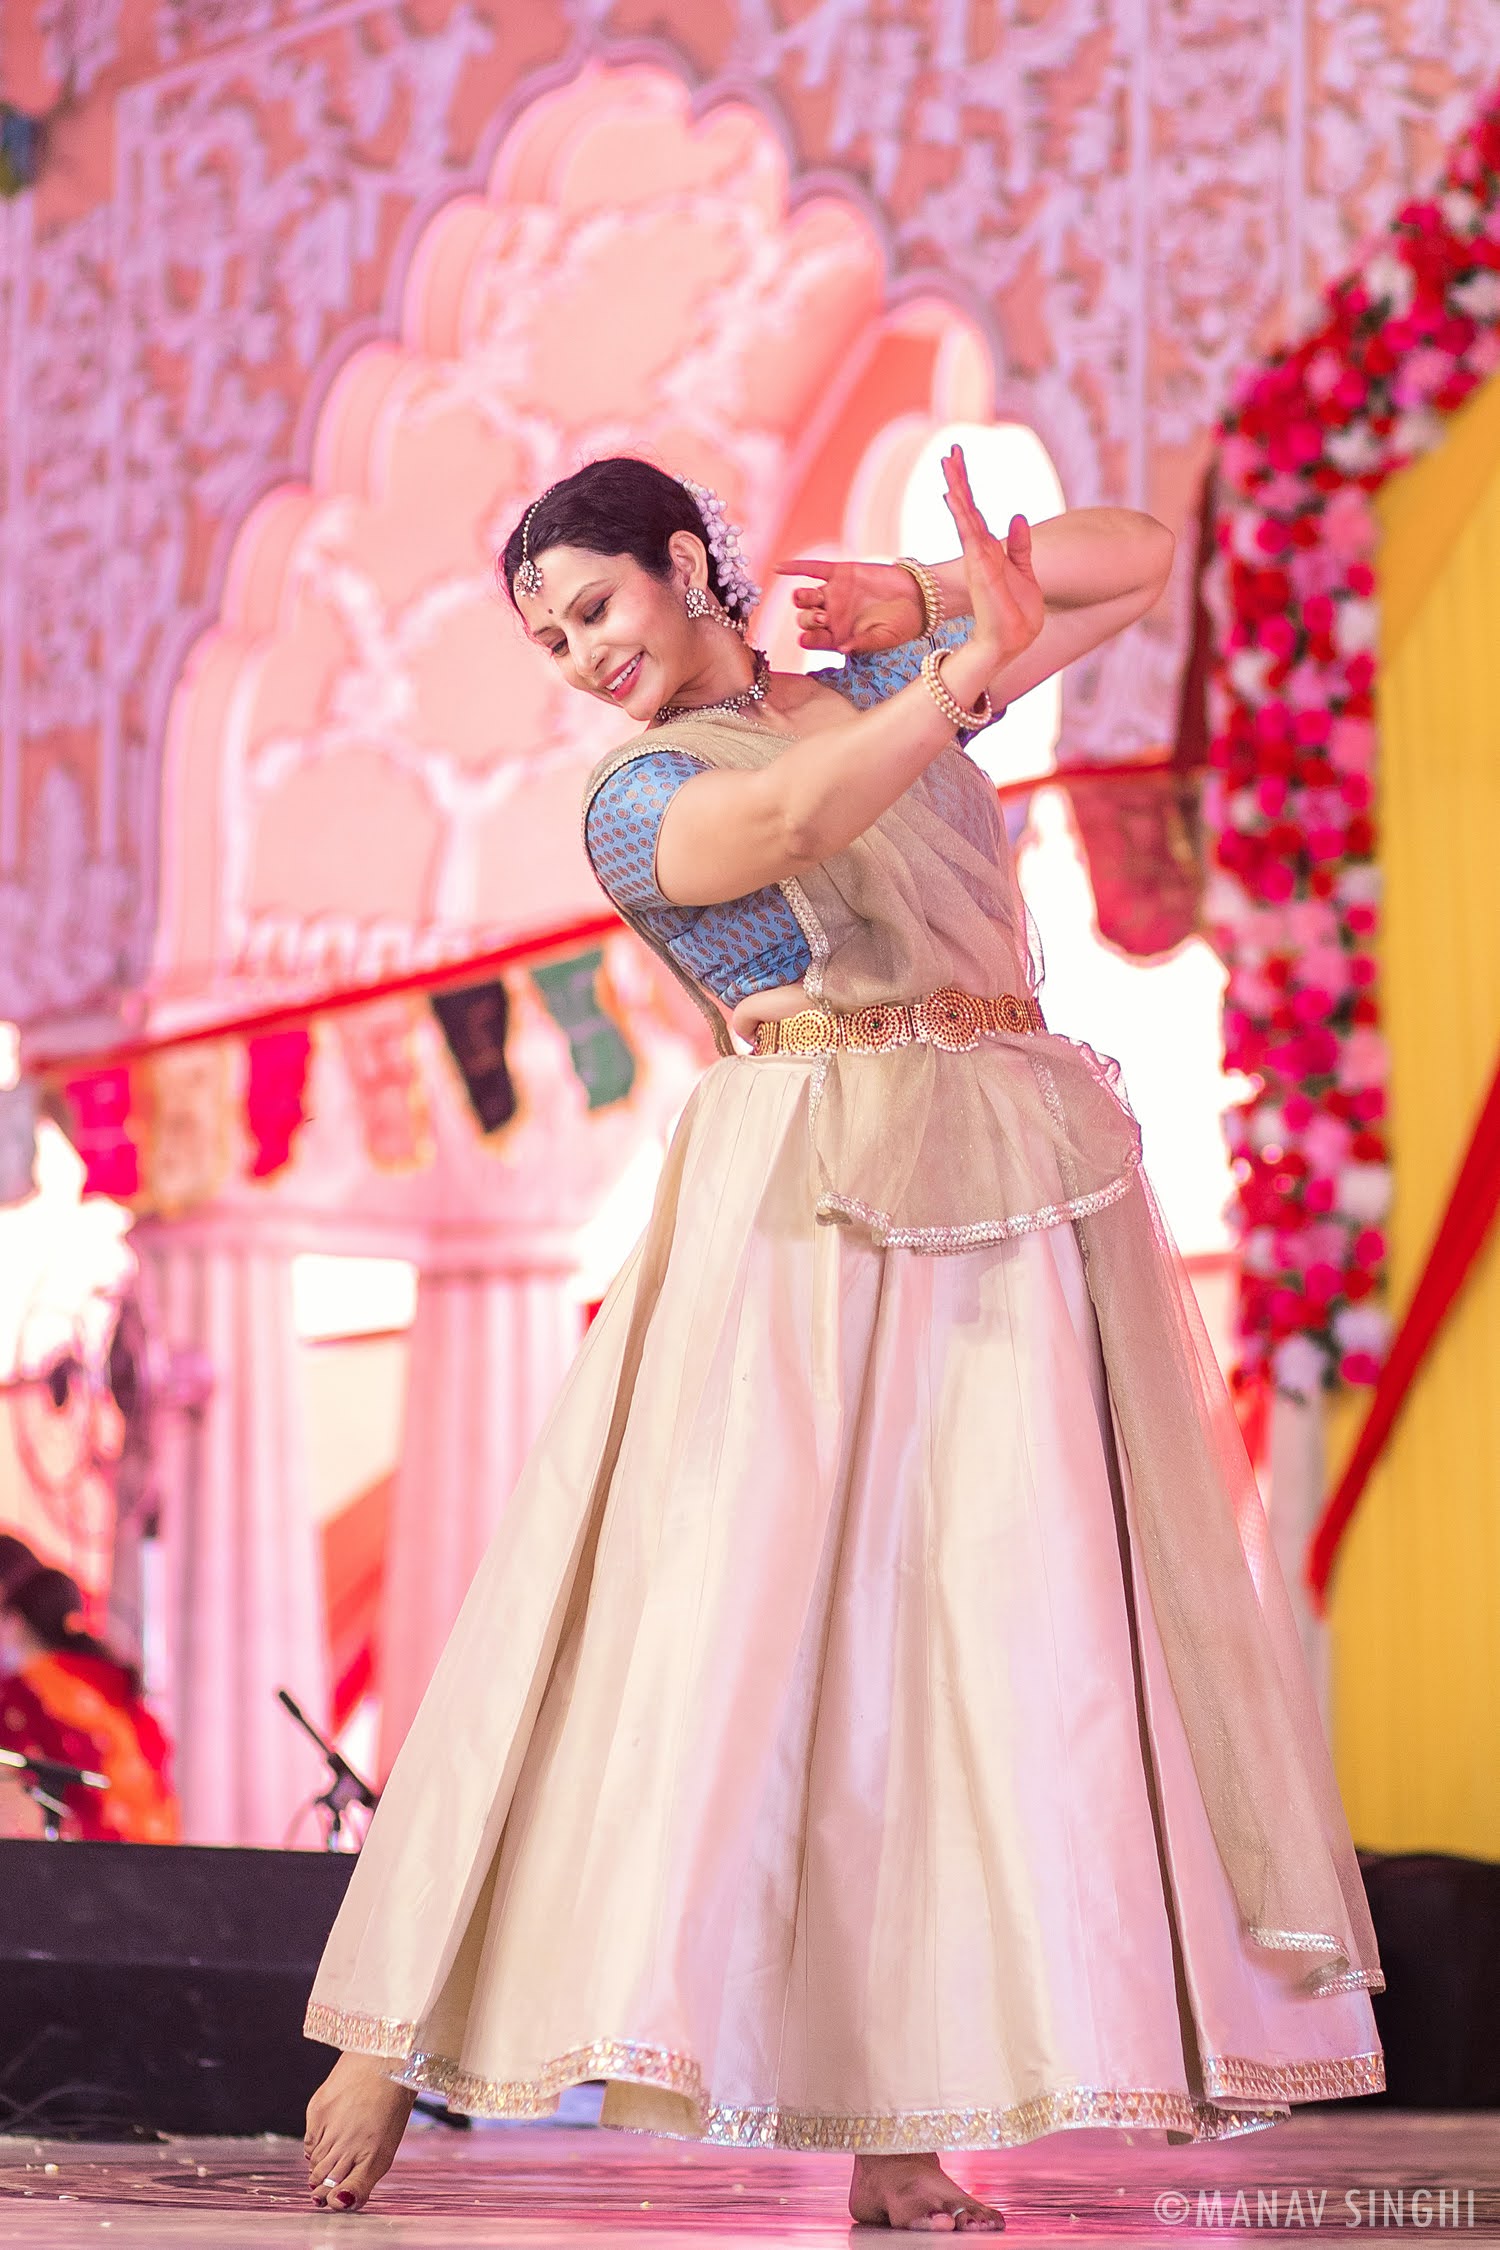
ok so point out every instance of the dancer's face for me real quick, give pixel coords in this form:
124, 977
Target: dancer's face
614, 631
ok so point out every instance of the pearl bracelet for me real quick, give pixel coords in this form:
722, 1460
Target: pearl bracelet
962, 721
933, 610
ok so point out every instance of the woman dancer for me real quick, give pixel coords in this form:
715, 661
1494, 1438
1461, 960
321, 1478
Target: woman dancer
898, 1739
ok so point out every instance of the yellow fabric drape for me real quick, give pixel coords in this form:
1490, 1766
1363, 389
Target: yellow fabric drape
1416, 1658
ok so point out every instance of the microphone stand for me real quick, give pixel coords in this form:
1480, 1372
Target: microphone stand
345, 1786
44, 1781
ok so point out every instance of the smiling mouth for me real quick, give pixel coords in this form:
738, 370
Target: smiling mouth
624, 680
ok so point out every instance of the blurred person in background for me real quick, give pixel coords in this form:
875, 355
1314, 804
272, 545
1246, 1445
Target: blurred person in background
64, 1695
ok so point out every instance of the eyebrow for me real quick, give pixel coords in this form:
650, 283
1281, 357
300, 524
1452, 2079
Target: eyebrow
554, 623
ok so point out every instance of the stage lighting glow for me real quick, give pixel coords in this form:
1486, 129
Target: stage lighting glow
334, 1297
1159, 1019
1011, 472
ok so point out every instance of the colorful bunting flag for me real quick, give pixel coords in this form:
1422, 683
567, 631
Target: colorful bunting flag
601, 1056
475, 1020
100, 1105
189, 1146
379, 1049
23, 142
276, 1095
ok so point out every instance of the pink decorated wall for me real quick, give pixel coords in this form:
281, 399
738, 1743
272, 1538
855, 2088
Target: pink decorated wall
312, 296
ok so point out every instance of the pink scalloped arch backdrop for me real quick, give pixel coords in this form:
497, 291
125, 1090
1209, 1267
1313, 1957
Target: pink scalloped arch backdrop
365, 759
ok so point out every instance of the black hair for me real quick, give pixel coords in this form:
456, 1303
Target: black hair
617, 506
47, 1601
17, 1561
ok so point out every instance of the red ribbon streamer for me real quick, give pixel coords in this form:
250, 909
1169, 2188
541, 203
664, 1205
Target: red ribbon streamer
1460, 1237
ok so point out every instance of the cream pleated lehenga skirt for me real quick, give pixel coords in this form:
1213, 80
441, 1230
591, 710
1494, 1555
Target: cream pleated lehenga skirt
804, 1763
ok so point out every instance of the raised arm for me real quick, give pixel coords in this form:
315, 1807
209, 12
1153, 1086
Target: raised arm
1099, 569
725, 835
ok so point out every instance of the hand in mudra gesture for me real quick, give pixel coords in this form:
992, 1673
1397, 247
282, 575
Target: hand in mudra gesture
859, 607
1005, 601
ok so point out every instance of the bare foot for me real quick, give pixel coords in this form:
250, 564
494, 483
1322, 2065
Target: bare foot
915, 2193
355, 2121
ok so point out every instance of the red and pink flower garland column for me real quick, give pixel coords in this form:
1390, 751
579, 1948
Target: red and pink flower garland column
1290, 803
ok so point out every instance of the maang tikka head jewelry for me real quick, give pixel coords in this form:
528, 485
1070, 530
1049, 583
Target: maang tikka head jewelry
528, 571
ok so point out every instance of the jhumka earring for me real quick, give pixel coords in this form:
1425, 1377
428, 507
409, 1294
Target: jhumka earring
528, 572
699, 602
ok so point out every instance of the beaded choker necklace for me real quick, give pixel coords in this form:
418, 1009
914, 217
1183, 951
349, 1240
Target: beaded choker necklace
729, 705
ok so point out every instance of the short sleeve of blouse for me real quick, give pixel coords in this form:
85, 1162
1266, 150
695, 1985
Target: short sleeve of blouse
869, 679
625, 820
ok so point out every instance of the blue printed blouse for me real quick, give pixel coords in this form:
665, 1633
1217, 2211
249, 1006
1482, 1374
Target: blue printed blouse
743, 945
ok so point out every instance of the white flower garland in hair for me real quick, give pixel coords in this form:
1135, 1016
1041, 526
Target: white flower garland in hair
722, 538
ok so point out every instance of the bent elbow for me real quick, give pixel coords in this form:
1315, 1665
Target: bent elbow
808, 835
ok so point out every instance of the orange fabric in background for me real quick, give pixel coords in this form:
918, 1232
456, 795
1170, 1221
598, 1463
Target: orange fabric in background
80, 1710
353, 1582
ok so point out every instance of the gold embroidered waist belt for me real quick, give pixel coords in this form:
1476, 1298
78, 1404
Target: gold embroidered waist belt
952, 1020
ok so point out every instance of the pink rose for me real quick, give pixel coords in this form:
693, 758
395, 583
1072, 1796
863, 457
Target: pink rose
1285, 494
1326, 1144
1326, 843
1351, 745
1365, 1061
1324, 969
1310, 922
1359, 1367
1305, 686
1322, 1284
1325, 1243
1252, 992
1419, 377
1322, 372
1348, 524
1298, 1111
1239, 458
1310, 1004
1319, 1052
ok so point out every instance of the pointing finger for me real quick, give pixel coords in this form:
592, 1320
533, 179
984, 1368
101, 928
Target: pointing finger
805, 566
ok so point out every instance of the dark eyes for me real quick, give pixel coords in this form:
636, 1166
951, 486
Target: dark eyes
590, 617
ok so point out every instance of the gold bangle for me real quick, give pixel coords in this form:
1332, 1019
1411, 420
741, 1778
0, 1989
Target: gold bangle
961, 721
933, 611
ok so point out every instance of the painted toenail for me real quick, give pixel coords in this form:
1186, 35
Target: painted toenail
345, 2202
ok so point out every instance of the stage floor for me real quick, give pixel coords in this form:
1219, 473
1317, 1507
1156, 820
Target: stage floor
552, 2186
